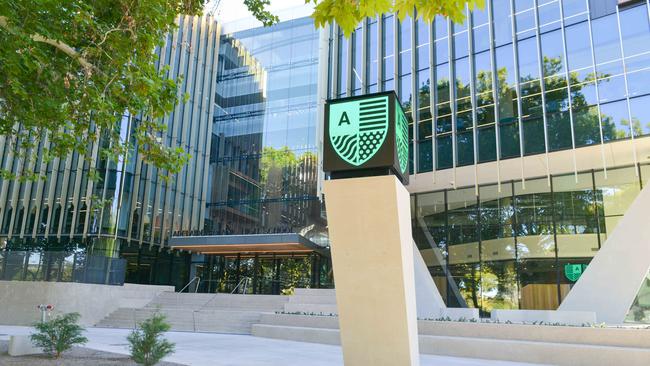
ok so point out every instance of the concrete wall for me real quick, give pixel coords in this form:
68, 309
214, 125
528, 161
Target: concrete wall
19, 299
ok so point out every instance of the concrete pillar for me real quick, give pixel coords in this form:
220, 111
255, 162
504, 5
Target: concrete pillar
372, 255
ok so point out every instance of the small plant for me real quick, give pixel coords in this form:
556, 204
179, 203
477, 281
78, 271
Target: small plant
59, 334
146, 343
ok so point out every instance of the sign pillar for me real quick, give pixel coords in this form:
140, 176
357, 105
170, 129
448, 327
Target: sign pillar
368, 212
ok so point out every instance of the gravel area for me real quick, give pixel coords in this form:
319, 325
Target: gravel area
75, 356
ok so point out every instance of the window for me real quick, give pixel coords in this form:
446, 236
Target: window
615, 121
502, 26
388, 63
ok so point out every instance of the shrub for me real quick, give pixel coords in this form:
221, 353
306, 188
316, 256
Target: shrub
146, 342
59, 334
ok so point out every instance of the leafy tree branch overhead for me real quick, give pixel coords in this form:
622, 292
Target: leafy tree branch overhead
70, 69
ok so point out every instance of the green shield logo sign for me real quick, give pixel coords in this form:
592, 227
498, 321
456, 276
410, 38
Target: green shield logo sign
402, 138
357, 129
574, 271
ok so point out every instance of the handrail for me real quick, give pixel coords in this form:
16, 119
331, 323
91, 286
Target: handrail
198, 279
196, 289
244, 281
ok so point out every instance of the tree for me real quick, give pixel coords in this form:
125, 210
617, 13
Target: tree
146, 343
348, 13
59, 334
69, 70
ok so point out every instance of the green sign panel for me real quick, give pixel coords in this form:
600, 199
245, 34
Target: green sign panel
358, 128
366, 135
574, 271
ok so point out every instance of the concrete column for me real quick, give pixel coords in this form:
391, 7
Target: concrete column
372, 256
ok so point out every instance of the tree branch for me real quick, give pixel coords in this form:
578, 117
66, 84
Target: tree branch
56, 44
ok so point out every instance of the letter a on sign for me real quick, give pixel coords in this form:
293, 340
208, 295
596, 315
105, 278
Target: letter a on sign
344, 119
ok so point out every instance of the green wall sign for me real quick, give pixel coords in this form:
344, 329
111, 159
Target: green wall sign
366, 135
573, 271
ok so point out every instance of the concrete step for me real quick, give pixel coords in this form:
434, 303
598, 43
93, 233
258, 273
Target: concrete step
315, 292
312, 299
300, 334
611, 337
562, 354
314, 309
215, 321
494, 349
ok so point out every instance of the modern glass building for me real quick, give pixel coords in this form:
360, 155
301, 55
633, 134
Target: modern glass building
264, 167
527, 128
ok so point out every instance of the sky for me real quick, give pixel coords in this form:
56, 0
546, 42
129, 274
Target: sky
230, 10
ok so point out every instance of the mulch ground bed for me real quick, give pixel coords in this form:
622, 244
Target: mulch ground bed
75, 356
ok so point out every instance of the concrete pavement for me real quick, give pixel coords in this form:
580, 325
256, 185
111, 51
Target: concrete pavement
198, 349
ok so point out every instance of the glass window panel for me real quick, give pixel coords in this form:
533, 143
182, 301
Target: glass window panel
481, 38
605, 38
444, 157
465, 148
528, 61
635, 30
586, 125
442, 51
507, 93
442, 79
611, 88
535, 245
497, 235
553, 54
405, 46
342, 65
423, 44
640, 115
640, 310
424, 101
502, 27
578, 49
357, 62
576, 216
558, 125
533, 136
388, 69
372, 52
480, 16
638, 82
405, 92
549, 16
615, 194
573, 9
425, 156
615, 121
483, 82
461, 45
525, 23
440, 27
583, 95
509, 140
487, 146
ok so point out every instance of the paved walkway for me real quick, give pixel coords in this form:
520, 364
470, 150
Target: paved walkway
199, 349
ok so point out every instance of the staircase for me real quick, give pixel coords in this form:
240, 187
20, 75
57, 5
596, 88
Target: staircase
310, 316
217, 313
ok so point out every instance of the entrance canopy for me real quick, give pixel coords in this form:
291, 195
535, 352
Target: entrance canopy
247, 244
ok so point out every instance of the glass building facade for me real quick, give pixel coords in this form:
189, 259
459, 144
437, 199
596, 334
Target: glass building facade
519, 89
264, 172
508, 248
529, 77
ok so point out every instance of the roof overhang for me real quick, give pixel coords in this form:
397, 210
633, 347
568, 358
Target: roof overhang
285, 244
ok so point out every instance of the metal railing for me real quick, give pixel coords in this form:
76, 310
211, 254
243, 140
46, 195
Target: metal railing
242, 285
196, 289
